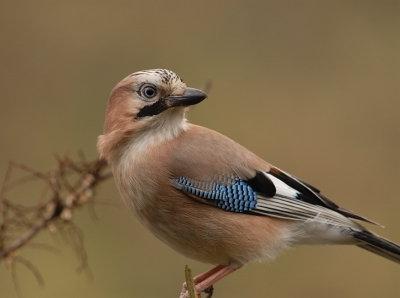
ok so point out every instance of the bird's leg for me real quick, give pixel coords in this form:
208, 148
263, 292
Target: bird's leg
207, 279
200, 278
214, 277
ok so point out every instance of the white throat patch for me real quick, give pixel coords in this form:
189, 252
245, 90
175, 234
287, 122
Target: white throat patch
160, 128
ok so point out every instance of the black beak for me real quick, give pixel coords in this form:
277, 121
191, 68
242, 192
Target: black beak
190, 97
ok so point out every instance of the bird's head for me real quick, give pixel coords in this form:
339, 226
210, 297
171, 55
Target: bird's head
152, 102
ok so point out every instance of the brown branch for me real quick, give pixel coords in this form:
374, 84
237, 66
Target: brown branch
69, 185
24, 238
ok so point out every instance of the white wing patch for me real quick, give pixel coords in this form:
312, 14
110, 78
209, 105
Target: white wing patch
282, 189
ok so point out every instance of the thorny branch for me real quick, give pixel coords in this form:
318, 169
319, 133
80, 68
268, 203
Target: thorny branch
68, 186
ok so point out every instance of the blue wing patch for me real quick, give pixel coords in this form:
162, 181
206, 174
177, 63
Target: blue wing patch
237, 197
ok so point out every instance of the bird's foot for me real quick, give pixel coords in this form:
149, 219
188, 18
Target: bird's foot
204, 282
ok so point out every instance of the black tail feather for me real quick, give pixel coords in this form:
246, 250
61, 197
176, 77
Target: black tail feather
378, 245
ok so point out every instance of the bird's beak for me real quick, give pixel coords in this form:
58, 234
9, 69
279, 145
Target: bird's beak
190, 97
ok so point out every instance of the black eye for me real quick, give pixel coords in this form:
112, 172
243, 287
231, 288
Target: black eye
149, 91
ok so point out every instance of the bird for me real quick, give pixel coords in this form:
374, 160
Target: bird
206, 196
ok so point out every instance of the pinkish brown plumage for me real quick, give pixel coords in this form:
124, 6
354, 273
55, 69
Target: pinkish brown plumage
206, 196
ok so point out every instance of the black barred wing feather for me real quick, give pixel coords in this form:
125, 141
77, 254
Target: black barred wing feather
237, 196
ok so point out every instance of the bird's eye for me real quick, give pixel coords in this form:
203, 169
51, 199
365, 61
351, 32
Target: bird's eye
149, 91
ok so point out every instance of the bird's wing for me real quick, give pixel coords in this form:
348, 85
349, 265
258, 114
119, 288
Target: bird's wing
213, 169
271, 193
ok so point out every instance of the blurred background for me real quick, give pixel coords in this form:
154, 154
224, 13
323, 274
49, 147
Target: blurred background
312, 87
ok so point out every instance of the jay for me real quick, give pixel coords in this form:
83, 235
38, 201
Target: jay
206, 196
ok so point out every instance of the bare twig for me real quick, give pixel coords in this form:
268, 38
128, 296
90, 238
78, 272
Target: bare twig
68, 186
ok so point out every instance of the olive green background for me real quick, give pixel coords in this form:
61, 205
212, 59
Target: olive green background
311, 86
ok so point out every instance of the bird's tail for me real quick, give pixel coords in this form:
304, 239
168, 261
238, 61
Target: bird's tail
378, 245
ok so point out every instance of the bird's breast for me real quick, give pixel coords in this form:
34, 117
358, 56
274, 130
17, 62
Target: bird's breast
195, 229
